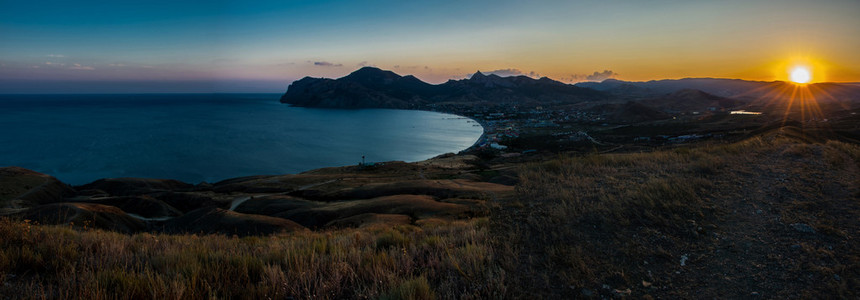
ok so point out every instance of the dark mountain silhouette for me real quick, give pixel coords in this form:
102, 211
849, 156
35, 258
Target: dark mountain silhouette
689, 100
371, 87
728, 88
715, 86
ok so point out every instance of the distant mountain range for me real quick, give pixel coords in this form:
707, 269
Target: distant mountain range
727, 88
371, 87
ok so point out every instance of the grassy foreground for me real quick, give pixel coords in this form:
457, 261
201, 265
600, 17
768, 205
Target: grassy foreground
776, 216
432, 259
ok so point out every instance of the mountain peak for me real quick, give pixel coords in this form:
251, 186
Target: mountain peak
372, 72
478, 74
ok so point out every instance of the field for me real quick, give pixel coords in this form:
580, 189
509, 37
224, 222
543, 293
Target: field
774, 215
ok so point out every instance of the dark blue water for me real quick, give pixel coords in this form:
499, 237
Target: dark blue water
194, 138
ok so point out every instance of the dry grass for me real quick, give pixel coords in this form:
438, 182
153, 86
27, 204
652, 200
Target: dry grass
434, 259
612, 225
585, 218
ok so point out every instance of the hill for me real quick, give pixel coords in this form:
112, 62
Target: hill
773, 215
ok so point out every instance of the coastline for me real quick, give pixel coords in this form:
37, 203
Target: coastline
236, 142
481, 122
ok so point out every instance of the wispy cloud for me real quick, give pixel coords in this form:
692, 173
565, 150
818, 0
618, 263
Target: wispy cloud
56, 55
363, 64
600, 76
326, 64
596, 76
510, 72
80, 67
504, 72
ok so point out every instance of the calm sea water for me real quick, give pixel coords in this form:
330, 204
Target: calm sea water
194, 138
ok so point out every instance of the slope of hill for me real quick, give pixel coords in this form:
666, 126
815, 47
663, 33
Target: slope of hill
688, 100
773, 216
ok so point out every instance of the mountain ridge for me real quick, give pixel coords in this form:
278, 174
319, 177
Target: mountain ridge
371, 87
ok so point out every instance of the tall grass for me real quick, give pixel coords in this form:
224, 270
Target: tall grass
435, 259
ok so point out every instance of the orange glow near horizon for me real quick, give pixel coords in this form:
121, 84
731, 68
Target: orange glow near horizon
801, 70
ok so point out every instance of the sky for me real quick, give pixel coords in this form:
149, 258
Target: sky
262, 46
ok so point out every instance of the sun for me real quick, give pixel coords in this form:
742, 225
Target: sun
800, 75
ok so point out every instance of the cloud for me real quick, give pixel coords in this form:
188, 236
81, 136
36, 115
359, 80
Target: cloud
326, 64
56, 55
596, 76
80, 67
505, 72
363, 64
512, 72
600, 76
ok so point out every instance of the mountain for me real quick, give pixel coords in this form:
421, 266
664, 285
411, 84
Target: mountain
371, 87
690, 100
727, 88
715, 86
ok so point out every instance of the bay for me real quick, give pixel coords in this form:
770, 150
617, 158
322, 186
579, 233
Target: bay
196, 138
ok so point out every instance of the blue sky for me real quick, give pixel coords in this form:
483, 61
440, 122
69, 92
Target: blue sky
237, 46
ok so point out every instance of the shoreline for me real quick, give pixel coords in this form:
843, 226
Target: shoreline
79, 176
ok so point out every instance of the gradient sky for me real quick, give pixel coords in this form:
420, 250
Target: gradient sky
261, 46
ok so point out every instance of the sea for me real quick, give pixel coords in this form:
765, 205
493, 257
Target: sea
211, 137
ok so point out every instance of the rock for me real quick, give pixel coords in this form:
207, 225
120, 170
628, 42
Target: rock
622, 293
803, 228
21, 189
587, 293
684, 259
